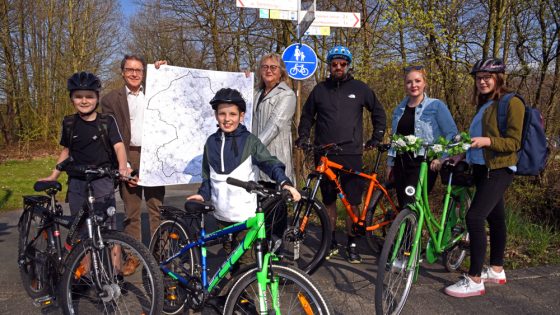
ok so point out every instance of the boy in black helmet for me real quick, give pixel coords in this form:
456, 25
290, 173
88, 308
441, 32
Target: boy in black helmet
233, 152
85, 144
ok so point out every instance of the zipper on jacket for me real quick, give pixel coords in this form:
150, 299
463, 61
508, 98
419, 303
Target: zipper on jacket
222, 152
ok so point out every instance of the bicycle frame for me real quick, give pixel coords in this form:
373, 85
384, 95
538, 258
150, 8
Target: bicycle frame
436, 228
256, 233
325, 168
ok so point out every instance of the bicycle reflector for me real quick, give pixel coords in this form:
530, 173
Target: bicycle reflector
410, 191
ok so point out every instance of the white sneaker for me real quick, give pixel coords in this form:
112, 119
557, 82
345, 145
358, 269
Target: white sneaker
466, 287
489, 275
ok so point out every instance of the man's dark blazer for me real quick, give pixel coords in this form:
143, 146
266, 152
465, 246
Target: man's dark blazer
116, 104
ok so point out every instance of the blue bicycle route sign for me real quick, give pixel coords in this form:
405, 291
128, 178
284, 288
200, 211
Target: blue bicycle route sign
301, 61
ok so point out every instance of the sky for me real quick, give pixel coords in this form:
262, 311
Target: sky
128, 7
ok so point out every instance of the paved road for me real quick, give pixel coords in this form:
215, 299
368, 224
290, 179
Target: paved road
349, 287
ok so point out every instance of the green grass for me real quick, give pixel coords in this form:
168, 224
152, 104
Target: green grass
530, 243
17, 178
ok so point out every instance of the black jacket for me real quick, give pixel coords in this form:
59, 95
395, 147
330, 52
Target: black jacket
336, 109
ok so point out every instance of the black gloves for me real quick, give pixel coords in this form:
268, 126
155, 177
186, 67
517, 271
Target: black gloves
371, 144
301, 142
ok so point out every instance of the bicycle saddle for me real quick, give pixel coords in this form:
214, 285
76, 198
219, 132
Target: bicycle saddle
46, 185
197, 207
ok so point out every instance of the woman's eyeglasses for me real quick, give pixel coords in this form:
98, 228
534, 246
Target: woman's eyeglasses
413, 68
342, 64
485, 78
271, 67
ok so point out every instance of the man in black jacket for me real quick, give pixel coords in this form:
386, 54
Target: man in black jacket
336, 106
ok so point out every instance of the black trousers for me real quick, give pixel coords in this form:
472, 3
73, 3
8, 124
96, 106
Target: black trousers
488, 205
406, 172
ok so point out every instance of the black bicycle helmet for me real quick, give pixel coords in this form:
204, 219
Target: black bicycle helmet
230, 96
494, 65
84, 81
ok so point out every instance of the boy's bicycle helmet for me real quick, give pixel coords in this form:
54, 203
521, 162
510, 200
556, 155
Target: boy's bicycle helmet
230, 96
84, 81
494, 65
340, 52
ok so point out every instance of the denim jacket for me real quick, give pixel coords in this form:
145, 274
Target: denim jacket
432, 120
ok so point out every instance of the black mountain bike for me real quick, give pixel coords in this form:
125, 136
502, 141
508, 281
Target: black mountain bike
83, 274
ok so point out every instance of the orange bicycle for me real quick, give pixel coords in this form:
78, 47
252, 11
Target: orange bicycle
308, 239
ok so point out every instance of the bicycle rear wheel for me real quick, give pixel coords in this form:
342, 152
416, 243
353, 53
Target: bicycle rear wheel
37, 271
296, 293
381, 211
394, 278
454, 257
168, 239
307, 238
92, 282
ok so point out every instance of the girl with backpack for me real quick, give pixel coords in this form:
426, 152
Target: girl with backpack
493, 156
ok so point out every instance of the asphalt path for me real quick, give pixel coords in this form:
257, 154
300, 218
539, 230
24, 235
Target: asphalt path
350, 288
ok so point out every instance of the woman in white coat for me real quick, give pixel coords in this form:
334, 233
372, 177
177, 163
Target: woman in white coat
273, 109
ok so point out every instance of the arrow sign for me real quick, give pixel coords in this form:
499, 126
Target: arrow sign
337, 19
289, 5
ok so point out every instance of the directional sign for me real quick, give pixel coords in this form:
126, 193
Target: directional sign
322, 18
290, 5
337, 19
306, 21
318, 31
301, 61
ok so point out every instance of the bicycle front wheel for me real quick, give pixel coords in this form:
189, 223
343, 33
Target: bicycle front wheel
93, 282
168, 239
454, 257
381, 212
394, 277
296, 293
308, 237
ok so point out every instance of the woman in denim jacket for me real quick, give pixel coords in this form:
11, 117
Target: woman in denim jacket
424, 117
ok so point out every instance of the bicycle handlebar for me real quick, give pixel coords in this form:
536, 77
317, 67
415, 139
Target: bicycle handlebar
256, 188
87, 170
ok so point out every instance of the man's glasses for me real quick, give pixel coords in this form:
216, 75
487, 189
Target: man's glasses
335, 64
271, 67
132, 71
485, 78
413, 68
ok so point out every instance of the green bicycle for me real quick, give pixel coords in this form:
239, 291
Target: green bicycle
268, 287
448, 236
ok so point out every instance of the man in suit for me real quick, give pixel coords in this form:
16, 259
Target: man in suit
127, 105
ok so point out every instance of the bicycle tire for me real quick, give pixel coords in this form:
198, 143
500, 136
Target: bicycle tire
454, 257
376, 238
37, 278
307, 249
390, 291
141, 292
297, 293
168, 239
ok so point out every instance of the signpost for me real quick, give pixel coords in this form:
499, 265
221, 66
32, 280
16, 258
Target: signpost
289, 5
300, 60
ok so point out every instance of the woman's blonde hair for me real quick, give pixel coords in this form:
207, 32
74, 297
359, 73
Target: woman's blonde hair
276, 57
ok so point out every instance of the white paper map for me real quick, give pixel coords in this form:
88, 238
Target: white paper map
178, 119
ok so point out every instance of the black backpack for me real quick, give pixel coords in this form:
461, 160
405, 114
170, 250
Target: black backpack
103, 127
534, 149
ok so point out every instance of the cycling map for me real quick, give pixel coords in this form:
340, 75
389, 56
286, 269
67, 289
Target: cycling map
178, 119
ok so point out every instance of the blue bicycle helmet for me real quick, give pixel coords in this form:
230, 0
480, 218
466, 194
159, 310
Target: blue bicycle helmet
339, 52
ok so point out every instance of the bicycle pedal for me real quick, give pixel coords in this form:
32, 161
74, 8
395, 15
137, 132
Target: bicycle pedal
44, 301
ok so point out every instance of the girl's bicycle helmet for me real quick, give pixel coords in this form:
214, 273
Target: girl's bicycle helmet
494, 65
